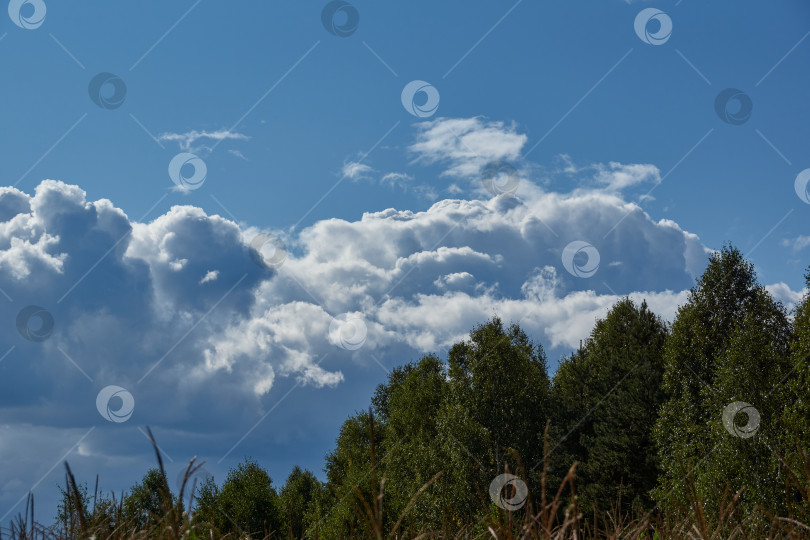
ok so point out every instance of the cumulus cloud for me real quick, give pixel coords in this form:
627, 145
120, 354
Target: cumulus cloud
180, 298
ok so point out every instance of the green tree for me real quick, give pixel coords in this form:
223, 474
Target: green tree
752, 369
409, 405
206, 500
353, 473
246, 504
295, 499
498, 394
145, 504
728, 344
796, 437
607, 397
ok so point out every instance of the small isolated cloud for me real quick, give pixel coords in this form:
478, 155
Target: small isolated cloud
466, 145
210, 276
238, 154
354, 170
616, 176
397, 179
188, 140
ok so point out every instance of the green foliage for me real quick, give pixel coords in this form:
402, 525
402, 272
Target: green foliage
729, 343
606, 397
796, 415
295, 501
246, 504
349, 477
501, 378
144, 504
413, 399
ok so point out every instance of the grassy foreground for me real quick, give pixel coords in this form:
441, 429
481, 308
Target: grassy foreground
552, 519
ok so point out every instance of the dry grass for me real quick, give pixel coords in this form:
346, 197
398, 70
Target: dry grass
557, 518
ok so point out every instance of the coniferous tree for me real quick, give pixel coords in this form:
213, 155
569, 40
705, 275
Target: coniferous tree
609, 393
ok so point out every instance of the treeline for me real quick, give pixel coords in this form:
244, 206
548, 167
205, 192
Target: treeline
700, 426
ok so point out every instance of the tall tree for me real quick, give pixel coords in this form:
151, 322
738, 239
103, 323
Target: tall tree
498, 393
608, 395
353, 473
728, 344
295, 500
797, 413
409, 404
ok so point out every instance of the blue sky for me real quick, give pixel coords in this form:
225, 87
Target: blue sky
383, 215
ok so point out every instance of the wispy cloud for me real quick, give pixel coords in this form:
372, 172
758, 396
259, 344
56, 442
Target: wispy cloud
354, 170
188, 140
238, 154
798, 243
466, 145
609, 177
397, 179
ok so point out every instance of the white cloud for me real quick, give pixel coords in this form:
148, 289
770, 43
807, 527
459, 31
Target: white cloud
397, 179
354, 170
210, 276
422, 279
466, 145
188, 140
238, 154
783, 293
798, 243
617, 176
